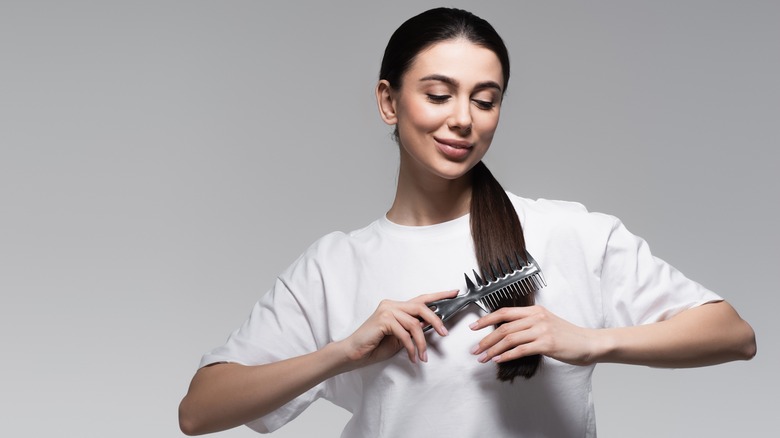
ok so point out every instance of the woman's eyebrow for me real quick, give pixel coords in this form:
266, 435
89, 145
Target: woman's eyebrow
440, 78
455, 83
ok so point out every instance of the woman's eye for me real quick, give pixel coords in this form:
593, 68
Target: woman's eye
484, 104
438, 98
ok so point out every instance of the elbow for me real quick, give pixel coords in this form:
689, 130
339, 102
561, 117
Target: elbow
187, 428
188, 423
737, 340
748, 348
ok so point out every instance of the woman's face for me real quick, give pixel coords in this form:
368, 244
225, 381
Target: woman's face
447, 108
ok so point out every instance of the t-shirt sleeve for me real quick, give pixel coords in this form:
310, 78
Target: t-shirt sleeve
278, 328
638, 288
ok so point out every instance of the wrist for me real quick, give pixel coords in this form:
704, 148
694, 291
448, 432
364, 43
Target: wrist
603, 346
343, 357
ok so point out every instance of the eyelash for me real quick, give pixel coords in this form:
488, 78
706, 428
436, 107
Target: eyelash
438, 98
442, 98
485, 105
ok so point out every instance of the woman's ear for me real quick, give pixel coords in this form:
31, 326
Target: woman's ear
386, 100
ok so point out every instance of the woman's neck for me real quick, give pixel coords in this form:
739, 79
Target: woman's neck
426, 199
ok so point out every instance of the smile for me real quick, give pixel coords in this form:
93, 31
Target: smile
457, 144
453, 149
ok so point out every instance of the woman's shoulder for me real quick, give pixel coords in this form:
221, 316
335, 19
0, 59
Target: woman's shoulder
560, 215
549, 206
337, 241
336, 245
553, 207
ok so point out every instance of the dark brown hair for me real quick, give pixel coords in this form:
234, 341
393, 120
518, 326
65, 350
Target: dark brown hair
497, 233
495, 227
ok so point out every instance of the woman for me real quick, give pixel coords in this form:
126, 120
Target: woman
335, 320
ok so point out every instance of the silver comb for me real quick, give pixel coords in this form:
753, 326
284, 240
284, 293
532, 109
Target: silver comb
514, 279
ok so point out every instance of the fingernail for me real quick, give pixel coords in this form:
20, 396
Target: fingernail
482, 357
475, 349
473, 325
496, 358
444, 331
425, 356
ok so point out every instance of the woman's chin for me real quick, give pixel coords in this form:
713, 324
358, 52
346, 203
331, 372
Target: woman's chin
454, 170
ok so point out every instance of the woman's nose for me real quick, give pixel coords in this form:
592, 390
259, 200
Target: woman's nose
460, 119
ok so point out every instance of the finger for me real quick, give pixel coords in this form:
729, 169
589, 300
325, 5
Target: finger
427, 298
424, 316
427, 317
404, 338
523, 350
412, 326
507, 343
503, 331
505, 314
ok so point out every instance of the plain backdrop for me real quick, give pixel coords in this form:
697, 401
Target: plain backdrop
161, 161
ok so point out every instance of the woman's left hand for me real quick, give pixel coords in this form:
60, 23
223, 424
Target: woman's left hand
534, 330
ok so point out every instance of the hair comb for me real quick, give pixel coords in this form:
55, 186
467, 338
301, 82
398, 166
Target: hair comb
512, 278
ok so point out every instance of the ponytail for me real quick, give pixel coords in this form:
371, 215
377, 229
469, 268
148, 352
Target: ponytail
497, 233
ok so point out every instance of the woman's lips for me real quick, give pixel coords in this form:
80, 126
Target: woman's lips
453, 149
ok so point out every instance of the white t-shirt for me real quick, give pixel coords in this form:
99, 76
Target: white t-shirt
598, 275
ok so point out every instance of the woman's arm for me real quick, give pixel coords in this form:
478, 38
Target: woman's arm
226, 395
705, 335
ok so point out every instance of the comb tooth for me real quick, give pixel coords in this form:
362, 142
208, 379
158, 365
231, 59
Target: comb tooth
504, 269
469, 283
478, 278
517, 290
494, 303
527, 286
516, 295
520, 261
485, 304
482, 306
493, 270
508, 298
510, 290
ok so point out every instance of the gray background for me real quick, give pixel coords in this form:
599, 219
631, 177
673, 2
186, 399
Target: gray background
161, 162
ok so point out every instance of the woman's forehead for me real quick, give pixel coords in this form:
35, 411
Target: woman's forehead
459, 59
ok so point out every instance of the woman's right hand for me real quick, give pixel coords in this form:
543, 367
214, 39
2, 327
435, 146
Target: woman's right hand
393, 326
